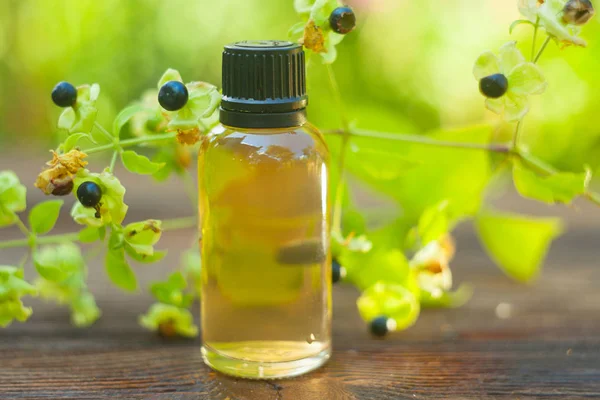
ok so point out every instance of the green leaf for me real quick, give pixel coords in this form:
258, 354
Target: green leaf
456, 175
366, 269
84, 311
12, 197
169, 320
119, 271
124, 117
518, 244
517, 23
43, 216
89, 234
455, 299
70, 143
561, 187
390, 300
144, 258
57, 263
376, 163
139, 164
116, 240
432, 225
171, 291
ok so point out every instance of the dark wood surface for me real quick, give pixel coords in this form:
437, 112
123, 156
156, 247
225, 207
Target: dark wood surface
549, 347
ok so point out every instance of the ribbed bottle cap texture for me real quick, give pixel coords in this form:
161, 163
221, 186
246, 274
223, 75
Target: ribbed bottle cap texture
263, 77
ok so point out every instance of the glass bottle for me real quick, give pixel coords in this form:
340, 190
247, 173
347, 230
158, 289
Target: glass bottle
266, 266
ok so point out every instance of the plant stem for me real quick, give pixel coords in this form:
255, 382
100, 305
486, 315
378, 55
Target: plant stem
113, 160
339, 195
52, 239
22, 226
132, 142
535, 32
515, 143
168, 225
539, 54
424, 140
104, 131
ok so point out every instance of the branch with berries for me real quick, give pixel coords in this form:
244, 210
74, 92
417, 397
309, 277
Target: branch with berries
400, 266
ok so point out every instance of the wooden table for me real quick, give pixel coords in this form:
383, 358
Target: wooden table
548, 347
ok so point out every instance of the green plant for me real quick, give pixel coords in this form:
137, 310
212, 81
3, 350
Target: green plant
400, 267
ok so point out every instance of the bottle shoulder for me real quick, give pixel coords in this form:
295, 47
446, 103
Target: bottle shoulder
297, 140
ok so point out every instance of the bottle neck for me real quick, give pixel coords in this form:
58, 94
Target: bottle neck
248, 120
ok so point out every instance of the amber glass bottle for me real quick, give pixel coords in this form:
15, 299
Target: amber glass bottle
266, 278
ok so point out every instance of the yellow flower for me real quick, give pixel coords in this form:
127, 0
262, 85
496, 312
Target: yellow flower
57, 179
313, 39
432, 266
188, 136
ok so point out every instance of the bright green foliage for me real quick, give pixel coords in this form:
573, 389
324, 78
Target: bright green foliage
65, 284
12, 288
71, 141
518, 244
82, 116
90, 234
139, 164
433, 224
455, 175
447, 299
119, 271
12, 197
43, 216
57, 263
84, 310
561, 187
112, 209
172, 291
167, 318
142, 236
366, 269
389, 300
124, 116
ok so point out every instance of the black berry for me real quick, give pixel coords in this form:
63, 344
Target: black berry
336, 271
173, 95
493, 86
64, 94
379, 326
89, 194
342, 20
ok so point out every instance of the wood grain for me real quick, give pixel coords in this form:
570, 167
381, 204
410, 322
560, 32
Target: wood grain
549, 347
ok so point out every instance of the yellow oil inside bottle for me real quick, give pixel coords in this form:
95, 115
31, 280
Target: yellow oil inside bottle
266, 277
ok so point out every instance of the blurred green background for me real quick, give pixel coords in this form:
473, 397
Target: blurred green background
406, 69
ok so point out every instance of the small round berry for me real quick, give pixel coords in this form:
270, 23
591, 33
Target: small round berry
493, 86
342, 20
337, 271
64, 94
173, 95
380, 326
89, 194
578, 12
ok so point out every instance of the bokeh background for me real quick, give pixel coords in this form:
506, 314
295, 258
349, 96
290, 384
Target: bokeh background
407, 69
